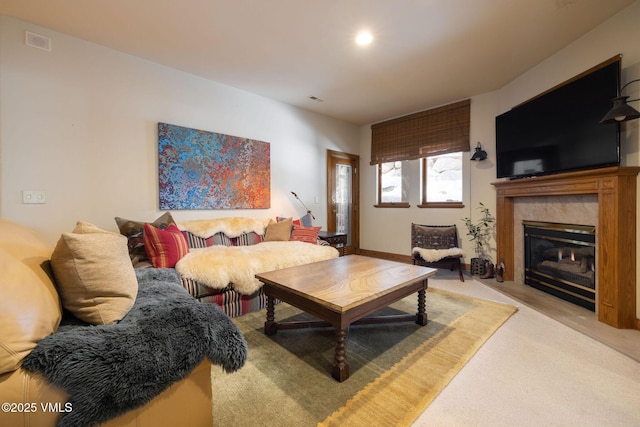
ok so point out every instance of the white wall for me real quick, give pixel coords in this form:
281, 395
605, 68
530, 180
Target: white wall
80, 122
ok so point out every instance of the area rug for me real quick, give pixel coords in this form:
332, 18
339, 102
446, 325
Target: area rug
396, 369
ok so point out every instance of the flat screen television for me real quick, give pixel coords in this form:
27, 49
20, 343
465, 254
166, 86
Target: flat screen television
560, 130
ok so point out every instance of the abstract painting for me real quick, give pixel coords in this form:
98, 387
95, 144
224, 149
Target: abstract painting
207, 170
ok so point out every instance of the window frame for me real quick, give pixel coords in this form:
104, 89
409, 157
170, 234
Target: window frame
379, 203
423, 192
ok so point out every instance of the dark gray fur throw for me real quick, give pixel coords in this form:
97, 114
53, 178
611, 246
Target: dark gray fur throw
108, 370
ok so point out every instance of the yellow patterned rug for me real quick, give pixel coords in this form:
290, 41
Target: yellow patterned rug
396, 369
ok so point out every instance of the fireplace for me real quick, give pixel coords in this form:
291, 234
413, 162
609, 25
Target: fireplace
615, 189
560, 259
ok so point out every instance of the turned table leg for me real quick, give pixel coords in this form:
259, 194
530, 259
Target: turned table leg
340, 366
270, 326
421, 315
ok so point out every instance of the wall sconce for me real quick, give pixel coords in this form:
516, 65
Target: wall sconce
480, 154
621, 111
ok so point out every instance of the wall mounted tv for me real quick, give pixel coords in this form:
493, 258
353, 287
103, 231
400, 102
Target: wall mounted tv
559, 130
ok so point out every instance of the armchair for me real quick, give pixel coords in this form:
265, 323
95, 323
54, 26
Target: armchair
436, 246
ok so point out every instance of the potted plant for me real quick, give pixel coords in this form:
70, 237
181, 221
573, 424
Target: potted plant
480, 232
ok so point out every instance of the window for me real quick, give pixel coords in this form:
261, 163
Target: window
428, 133
392, 184
442, 180
432, 136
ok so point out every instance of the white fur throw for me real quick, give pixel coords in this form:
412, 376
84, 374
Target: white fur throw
433, 255
218, 266
232, 227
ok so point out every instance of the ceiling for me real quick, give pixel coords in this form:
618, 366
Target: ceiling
425, 53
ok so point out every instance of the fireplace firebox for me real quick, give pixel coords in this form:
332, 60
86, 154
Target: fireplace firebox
560, 259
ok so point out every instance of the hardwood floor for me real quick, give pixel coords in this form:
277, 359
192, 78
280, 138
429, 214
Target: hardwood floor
626, 341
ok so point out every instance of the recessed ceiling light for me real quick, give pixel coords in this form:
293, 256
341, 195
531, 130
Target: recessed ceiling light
364, 38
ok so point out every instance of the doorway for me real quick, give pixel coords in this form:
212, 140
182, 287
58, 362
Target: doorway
343, 197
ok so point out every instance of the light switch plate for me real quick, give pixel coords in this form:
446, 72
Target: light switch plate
34, 196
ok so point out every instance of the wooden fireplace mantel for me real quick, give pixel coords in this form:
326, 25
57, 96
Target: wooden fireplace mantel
615, 231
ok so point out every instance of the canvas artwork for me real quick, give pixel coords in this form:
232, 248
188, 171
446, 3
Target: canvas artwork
198, 169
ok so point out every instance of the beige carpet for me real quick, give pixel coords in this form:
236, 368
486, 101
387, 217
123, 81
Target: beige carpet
396, 369
535, 371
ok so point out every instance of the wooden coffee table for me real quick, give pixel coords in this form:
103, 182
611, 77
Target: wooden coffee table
342, 292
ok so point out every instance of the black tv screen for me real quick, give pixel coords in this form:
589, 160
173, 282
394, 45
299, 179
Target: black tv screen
560, 131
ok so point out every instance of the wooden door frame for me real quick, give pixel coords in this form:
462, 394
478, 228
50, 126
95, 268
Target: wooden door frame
355, 159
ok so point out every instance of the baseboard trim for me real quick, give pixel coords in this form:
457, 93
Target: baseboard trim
638, 324
386, 255
396, 257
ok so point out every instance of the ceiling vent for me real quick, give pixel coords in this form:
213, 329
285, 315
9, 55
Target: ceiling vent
38, 41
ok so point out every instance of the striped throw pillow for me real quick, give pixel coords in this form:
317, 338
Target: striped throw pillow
305, 234
164, 247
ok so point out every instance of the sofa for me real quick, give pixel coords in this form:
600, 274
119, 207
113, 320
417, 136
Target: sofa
217, 259
138, 354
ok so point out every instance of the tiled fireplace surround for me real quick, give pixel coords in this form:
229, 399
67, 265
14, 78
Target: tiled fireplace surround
580, 209
605, 198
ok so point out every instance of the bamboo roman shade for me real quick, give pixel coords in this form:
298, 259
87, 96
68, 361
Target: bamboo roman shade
427, 133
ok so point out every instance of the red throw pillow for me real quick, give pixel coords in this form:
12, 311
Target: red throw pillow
305, 234
164, 247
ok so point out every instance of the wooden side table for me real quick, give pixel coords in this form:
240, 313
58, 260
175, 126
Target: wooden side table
337, 240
